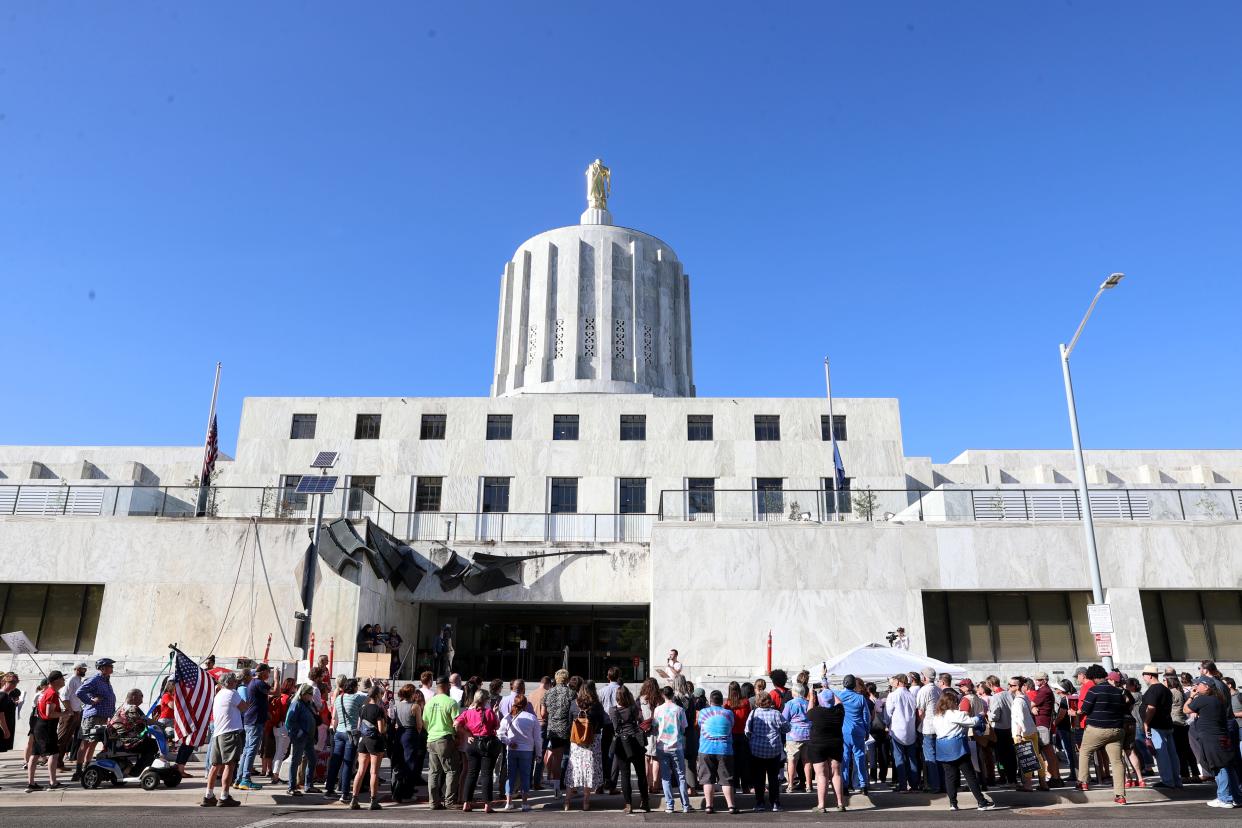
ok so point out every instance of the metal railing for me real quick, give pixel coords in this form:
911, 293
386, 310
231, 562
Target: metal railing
285, 503
946, 505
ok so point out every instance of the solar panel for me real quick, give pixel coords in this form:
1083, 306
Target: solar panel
325, 459
309, 484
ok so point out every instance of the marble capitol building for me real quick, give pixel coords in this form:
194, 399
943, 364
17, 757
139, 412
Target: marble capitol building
574, 515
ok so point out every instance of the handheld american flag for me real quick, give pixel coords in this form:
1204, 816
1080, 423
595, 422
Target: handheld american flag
191, 701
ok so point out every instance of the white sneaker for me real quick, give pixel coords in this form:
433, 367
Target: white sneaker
508, 807
1217, 803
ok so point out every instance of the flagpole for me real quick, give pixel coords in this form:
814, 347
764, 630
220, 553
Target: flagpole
211, 415
832, 438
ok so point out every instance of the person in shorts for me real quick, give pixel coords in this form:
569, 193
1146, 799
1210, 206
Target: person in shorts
716, 752
372, 737
98, 704
227, 744
47, 716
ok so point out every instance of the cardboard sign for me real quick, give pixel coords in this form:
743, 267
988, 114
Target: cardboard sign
373, 665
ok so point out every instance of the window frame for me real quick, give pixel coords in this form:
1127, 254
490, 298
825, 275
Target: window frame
81, 644
422, 496
631, 484
363, 427
432, 426
1155, 610
637, 427
353, 497
830, 503
563, 482
492, 484
841, 434
700, 421
767, 428
499, 427
565, 426
942, 602
697, 491
764, 489
294, 422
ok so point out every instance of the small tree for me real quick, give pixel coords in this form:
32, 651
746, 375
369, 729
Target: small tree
212, 507
865, 503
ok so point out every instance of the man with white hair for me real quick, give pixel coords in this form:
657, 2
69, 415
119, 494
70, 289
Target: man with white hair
226, 714
925, 702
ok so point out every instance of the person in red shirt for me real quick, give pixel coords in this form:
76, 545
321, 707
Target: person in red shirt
738, 701
48, 712
1043, 704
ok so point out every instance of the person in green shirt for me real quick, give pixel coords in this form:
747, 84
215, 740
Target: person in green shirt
444, 763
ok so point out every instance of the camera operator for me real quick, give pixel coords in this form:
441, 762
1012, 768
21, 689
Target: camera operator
898, 640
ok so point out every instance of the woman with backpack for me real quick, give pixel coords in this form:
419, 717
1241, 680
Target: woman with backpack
629, 745
482, 747
372, 727
302, 726
586, 763
649, 699
412, 736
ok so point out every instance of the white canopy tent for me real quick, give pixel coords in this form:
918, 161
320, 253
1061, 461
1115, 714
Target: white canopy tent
882, 661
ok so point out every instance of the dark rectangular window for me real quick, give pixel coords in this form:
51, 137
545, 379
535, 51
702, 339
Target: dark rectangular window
633, 496
768, 495
838, 428
563, 498
500, 426
367, 427
289, 499
496, 494
432, 427
833, 498
303, 427
701, 496
58, 618
767, 426
1190, 625
361, 492
1014, 627
427, 494
564, 426
633, 426
699, 427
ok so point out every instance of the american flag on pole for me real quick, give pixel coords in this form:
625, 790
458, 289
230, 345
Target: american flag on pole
191, 701
209, 456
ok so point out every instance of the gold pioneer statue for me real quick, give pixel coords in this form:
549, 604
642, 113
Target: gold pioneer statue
599, 185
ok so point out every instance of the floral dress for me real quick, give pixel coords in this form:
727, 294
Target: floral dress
586, 764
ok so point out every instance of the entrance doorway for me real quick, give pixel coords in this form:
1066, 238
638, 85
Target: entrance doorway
529, 641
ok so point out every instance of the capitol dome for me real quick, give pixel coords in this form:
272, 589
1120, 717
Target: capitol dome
594, 308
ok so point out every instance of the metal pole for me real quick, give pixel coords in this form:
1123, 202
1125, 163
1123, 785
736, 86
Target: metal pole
1088, 523
308, 582
832, 439
201, 502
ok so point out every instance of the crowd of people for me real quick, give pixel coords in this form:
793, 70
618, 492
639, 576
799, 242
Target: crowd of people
924, 732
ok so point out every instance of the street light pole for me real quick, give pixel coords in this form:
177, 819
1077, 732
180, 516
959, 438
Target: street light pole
1088, 522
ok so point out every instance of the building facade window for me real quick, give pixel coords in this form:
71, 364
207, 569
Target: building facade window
769, 497
699, 427
432, 427
361, 492
632, 496
833, 500
701, 496
564, 426
289, 499
767, 426
427, 491
496, 494
367, 427
58, 618
303, 427
633, 426
1191, 625
838, 428
563, 496
1008, 626
500, 426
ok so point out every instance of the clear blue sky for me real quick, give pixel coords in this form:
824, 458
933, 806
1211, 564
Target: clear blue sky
323, 196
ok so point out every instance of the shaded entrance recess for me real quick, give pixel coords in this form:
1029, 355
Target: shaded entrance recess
488, 638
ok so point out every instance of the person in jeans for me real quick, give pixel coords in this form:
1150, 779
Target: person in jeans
1103, 709
344, 726
669, 728
629, 754
951, 727
481, 748
900, 708
1156, 712
519, 732
408, 714
254, 723
925, 701
301, 725
1000, 716
764, 729
440, 716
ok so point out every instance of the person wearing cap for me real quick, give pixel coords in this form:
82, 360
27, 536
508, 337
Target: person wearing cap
973, 705
254, 721
72, 705
1104, 710
1211, 708
98, 704
1158, 727
48, 712
1189, 765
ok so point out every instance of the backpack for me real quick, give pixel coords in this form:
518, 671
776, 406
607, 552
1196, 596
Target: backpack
581, 733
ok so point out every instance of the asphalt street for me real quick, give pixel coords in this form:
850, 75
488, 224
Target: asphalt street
1169, 814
